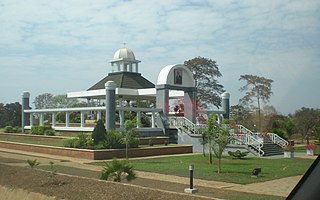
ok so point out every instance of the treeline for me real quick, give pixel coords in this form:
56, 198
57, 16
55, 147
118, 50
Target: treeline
10, 114
303, 123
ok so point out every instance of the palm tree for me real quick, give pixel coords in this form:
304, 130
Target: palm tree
118, 169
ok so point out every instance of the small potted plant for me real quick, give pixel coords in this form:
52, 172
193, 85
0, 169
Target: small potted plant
311, 149
288, 151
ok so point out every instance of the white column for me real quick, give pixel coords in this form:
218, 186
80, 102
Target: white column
153, 125
137, 70
67, 119
31, 119
53, 119
138, 119
219, 119
82, 118
41, 119
98, 115
121, 116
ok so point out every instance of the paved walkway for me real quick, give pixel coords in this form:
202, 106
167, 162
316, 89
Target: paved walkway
280, 187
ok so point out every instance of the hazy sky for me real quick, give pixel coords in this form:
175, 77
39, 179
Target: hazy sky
64, 46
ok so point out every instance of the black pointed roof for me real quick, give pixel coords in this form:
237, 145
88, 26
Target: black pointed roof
129, 80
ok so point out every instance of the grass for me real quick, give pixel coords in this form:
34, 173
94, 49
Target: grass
232, 195
233, 170
47, 143
72, 171
60, 144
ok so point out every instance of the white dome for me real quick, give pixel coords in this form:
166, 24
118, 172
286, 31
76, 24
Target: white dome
124, 53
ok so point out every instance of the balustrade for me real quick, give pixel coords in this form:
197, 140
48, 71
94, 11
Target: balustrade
83, 111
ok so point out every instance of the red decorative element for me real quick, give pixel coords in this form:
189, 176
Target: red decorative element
311, 147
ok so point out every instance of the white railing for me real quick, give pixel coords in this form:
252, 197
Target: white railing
182, 122
241, 135
278, 140
255, 144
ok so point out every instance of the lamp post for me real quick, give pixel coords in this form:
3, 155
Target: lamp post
191, 168
191, 189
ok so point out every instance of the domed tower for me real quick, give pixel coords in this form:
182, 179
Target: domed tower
124, 61
125, 72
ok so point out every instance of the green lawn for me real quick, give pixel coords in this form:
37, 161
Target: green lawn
30, 141
60, 143
233, 170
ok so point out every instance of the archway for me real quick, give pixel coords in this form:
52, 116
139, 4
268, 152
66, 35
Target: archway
177, 77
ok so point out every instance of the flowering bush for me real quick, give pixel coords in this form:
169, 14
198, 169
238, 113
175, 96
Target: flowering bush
311, 147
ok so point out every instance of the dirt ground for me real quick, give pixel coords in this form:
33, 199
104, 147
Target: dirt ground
15, 174
67, 187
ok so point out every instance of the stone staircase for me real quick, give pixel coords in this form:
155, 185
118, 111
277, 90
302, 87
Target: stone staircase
261, 145
271, 149
173, 135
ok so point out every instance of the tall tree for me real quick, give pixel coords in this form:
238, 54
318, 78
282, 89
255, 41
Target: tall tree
305, 120
10, 114
240, 115
205, 72
289, 126
43, 101
61, 101
258, 91
99, 132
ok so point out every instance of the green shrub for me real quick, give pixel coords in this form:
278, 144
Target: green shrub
37, 130
238, 154
117, 169
8, 129
50, 132
99, 132
17, 129
151, 143
114, 140
33, 163
100, 145
89, 141
82, 139
72, 143
42, 130
134, 142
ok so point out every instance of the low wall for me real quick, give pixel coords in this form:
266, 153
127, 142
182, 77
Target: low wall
32, 137
142, 141
97, 154
155, 140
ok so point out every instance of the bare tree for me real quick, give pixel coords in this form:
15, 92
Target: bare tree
305, 120
258, 91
